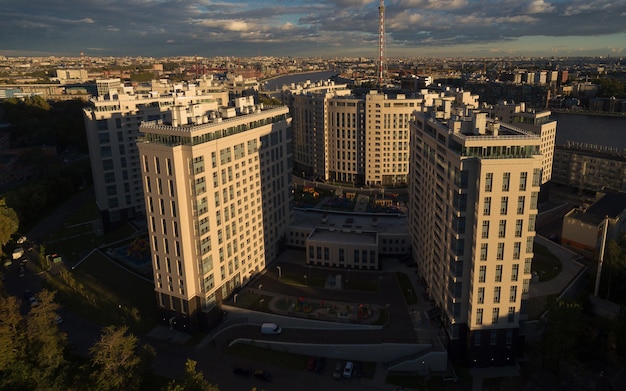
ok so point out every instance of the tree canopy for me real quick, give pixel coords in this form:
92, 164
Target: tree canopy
9, 223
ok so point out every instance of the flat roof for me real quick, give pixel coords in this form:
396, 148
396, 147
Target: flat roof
339, 236
309, 219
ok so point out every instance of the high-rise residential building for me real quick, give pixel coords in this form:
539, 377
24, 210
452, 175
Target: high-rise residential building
535, 121
112, 122
342, 137
217, 195
473, 191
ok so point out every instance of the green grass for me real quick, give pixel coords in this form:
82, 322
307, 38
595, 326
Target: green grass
407, 288
104, 292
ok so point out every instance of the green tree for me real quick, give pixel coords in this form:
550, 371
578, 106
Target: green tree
561, 332
118, 360
192, 380
12, 334
46, 343
9, 223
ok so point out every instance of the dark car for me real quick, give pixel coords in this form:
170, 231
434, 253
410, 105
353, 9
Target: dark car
311, 363
320, 365
338, 372
241, 371
358, 370
263, 375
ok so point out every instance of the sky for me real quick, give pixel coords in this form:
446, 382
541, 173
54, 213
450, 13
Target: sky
309, 28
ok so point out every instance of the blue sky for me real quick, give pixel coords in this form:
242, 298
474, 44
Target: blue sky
304, 28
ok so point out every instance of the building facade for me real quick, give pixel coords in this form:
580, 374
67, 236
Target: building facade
589, 167
217, 198
473, 192
342, 137
537, 122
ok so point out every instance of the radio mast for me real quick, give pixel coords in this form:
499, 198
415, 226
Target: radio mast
381, 42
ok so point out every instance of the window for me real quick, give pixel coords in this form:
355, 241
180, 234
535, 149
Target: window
506, 179
485, 231
533, 200
480, 298
516, 249
482, 273
493, 337
500, 253
536, 176
523, 176
504, 205
483, 251
502, 229
498, 273
518, 228
520, 205
513, 294
531, 223
514, 272
496, 295
495, 315
487, 206
488, 181
479, 316
529, 244
510, 318
527, 265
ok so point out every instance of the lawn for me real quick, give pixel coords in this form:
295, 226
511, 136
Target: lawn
102, 291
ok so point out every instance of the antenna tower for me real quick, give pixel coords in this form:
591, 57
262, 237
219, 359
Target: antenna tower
381, 41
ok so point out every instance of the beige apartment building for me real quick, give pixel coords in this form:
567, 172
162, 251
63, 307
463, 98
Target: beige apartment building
359, 140
112, 122
473, 192
535, 121
217, 197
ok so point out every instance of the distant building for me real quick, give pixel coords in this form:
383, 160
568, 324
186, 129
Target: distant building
217, 196
583, 228
474, 187
112, 122
589, 167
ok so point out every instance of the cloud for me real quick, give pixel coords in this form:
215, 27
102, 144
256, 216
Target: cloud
300, 27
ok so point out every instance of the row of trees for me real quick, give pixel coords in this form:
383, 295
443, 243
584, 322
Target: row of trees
35, 355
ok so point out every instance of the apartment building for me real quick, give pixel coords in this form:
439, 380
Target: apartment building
217, 195
536, 121
112, 122
342, 137
473, 191
590, 167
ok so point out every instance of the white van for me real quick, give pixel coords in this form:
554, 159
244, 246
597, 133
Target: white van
270, 328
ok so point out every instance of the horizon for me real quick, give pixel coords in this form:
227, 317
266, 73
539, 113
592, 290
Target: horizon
305, 28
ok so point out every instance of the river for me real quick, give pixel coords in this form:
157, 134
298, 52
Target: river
591, 129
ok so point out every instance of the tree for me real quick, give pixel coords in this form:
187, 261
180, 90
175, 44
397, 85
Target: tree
11, 332
45, 343
562, 331
118, 360
9, 223
192, 380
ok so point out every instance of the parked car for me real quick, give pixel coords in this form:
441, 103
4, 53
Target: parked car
347, 370
22, 272
241, 371
263, 375
358, 370
338, 370
320, 365
311, 363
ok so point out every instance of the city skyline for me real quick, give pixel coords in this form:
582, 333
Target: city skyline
414, 28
